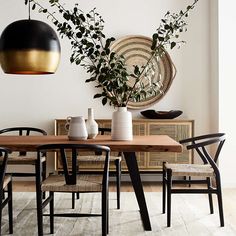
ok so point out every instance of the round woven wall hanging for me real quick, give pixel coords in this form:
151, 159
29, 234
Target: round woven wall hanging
161, 71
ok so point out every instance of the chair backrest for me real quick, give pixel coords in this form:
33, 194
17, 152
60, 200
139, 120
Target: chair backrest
73, 150
3, 164
104, 130
201, 143
23, 131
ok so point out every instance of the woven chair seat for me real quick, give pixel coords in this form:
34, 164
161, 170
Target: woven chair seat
190, 170
97, 158
85, 183
23, 160
7, 180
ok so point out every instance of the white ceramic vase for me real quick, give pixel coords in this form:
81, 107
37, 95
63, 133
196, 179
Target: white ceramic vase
91, 125
121, 125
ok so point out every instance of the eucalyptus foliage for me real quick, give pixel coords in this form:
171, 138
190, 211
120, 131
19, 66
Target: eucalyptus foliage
91, 49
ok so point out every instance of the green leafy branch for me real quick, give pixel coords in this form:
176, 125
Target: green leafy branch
91, 50
167, 35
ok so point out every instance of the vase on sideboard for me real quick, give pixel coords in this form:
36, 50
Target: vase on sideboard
91, 125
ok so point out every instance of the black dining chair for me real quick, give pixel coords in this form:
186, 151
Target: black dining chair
5, 186
24, 158
205, 174
98, 158
72, 181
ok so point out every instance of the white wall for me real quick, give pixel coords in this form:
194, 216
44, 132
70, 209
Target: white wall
38, 100
214, 65
227, 85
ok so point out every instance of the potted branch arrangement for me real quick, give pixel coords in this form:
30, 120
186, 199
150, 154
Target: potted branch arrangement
108, 71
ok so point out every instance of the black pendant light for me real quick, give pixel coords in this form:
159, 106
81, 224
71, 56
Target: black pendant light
29, 47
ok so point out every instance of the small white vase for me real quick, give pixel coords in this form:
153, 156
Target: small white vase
91, 125
121, 125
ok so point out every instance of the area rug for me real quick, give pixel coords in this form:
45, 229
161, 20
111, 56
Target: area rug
190, 216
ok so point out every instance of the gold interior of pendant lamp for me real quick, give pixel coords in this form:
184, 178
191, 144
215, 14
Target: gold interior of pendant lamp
29, 47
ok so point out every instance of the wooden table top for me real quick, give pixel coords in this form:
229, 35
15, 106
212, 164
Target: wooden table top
149, 143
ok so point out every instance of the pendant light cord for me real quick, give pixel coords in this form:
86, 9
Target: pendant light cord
29, 9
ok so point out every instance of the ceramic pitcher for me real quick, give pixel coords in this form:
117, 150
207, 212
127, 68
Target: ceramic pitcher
76, 128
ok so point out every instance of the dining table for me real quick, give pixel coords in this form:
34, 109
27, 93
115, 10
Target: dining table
147, 143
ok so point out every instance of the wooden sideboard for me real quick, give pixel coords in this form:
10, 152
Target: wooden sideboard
148, 162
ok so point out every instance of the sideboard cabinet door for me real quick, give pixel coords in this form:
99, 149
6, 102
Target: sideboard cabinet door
175, 129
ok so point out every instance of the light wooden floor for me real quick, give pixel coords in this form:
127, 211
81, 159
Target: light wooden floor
191, 225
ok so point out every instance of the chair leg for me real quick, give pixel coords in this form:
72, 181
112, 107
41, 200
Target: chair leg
51, 194
107, 211
210, 196
104, 214
169, 184
73, 201
44, 175
3, 195
189, 178
10, 208
163, 189
1, 198
118, 181
220, 202
39, 199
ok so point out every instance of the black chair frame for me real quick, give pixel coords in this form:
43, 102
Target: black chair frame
118, 173
199, 144
70, 179
25, 131
5, 200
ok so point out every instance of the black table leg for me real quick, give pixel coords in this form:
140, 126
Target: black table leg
132, 165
